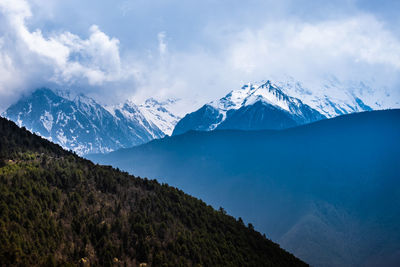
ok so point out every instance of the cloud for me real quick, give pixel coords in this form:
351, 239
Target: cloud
353, 41
125, 7
97, 59
350, 48
162, 45
216, 54
63, 58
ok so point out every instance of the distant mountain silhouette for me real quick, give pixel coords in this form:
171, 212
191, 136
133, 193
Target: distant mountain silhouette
328, 191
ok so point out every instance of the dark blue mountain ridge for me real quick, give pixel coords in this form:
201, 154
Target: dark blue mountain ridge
328, 191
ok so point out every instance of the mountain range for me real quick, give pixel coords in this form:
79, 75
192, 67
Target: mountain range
80, 124
317, 172
327, 191
282, 104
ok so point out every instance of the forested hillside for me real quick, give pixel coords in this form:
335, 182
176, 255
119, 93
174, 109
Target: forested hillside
59, 209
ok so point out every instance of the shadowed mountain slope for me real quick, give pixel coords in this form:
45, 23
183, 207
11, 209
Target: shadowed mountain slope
327, 191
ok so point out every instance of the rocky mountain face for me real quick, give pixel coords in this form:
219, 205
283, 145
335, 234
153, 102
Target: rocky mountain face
84, 126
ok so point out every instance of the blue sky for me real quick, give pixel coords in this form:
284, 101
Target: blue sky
114, 50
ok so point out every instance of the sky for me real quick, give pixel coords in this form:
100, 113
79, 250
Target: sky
114, 50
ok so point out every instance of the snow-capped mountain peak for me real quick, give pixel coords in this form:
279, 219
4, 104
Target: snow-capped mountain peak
89, 106
332, 97
258, 105
285, 103
159, 113
130, 114
79, 123
234, 99
270, 94
129, 110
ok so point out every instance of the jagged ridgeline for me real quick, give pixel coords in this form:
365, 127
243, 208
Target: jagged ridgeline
59, 209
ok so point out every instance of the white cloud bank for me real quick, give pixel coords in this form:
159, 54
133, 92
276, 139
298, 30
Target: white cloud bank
352, 41
358, 47
63, 58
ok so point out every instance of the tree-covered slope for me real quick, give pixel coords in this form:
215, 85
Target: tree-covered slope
59, 209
